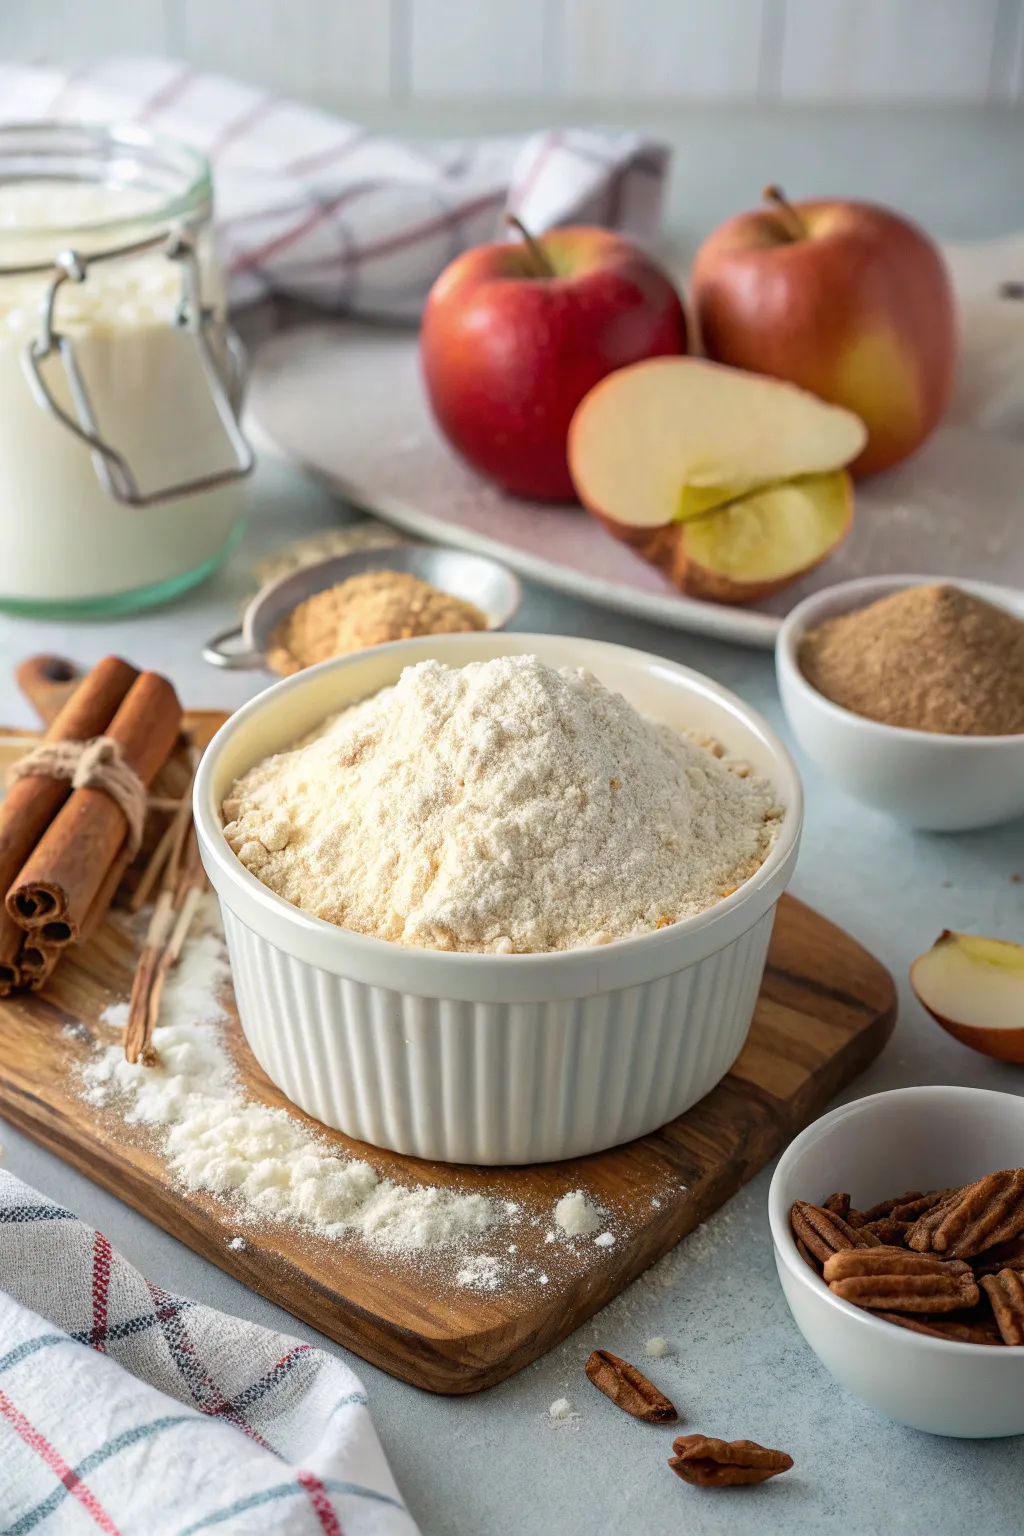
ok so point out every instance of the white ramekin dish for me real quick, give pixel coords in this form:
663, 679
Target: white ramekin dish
911, 1138
937, 782
493, 1058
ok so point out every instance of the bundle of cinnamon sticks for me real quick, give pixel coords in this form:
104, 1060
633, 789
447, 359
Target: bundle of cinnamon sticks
64, 850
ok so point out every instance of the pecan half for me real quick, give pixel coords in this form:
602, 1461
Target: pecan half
908, 1206
710, 1463
984, 1213
944, 1328
838, 1204
808, 1257
886, 1231
891, 1280
1000, 1256
1006, 1293
823, 1232
629, 1388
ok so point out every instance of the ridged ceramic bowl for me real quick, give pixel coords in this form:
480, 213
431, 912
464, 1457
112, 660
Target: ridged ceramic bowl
493, 1058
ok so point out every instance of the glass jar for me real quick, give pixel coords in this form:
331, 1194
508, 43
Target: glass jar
121, 458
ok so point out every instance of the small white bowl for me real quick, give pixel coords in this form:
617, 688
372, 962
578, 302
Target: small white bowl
938, 782
912, 1138
493, 1058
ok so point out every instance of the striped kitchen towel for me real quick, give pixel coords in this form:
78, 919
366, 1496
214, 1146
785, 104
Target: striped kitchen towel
319, 208
124, 1409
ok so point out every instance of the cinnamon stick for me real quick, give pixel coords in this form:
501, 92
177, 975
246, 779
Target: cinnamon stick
104, 897
32, 803
167, 850
167, 959
56, 888
37, 962
139, 1028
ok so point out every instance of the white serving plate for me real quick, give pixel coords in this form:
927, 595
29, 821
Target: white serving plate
493, 1059
346, 402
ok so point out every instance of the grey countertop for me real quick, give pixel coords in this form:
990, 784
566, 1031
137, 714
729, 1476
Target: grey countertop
739, 1368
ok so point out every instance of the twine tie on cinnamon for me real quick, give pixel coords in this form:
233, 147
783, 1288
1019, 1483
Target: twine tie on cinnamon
95, 764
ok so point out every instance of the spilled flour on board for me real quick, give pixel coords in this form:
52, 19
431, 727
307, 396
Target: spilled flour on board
266, 1163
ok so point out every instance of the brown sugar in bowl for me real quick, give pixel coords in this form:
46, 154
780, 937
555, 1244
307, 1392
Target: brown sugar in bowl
941, 781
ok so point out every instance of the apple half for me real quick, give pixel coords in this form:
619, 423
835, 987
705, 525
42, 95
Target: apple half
974, 988
675, 437
731, 483
754, 546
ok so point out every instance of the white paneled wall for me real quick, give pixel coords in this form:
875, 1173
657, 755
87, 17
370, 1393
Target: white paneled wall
667, 48
889, 50
593, 50
295, 45
459, 48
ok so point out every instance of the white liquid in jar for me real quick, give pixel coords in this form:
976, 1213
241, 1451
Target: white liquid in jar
65, 539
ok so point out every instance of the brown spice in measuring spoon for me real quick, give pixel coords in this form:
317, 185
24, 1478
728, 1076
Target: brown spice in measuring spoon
929, 658
369, 609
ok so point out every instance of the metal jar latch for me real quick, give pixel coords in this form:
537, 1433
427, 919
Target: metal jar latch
112, 469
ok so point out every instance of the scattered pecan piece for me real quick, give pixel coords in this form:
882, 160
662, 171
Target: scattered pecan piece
823, 1232
984, 1213
838, 1204
710, 1463
891, 1280
944, 1328
629, 1388
1006, 1293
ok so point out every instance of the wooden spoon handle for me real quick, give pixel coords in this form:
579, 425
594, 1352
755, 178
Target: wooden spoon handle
48, 682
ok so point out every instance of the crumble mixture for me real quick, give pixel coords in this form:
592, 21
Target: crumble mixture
505, 807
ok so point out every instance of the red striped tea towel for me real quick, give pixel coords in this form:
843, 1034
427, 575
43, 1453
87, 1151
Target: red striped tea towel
129, 1411
316, 207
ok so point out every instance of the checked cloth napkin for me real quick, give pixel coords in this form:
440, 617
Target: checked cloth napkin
129, 1411
321, 209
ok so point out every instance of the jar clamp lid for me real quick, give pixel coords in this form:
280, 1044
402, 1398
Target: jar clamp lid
190, 317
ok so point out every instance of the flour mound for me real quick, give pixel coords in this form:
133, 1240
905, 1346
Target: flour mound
503, 807
577, 1216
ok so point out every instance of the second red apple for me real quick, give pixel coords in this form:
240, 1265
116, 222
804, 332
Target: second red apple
516, 333
846, 299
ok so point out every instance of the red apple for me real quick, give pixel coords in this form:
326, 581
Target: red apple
846, 299
515, 334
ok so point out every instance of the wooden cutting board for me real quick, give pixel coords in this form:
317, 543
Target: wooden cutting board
825, 1011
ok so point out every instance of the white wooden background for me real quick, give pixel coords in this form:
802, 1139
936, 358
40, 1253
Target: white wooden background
961, 51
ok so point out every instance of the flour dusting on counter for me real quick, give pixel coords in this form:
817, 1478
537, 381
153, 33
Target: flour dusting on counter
263, 1160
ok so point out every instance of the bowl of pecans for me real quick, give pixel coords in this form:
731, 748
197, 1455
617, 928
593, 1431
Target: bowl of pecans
898, 1225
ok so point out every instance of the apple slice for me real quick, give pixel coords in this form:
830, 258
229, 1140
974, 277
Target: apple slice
974, 988
674, 437
751, 548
